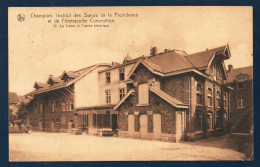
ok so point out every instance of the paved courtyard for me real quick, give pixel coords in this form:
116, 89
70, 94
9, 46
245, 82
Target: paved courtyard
67, 147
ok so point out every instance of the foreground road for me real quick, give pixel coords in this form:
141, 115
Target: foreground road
68, 147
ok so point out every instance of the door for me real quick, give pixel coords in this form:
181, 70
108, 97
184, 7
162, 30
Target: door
114, 121
40, 125
70, 125
131, 125
52, 125
157, 126
143, 126
179, 126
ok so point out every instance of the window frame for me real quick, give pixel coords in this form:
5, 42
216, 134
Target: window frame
199, 93
108, 96
121, 93
218, 99
108, 77
210, 97
121, 74
241, 102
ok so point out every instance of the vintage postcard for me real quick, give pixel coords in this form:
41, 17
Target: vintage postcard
161, 83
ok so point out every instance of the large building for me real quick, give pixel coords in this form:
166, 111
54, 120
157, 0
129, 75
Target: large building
241, 99
55, 102
169, 96
174, 96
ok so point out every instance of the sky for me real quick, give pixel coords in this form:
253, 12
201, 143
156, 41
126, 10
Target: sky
37, 49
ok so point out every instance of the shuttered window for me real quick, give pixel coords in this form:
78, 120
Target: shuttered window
143, 96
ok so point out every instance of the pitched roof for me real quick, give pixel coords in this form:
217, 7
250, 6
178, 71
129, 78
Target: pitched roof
175, 62
24, 100
61, 84
13, 98
124, 98
171, 100
235, 72
202, 59
170, 61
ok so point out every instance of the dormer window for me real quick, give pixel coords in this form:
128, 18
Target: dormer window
241, 83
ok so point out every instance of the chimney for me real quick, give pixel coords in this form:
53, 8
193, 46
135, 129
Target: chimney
115, 63
153, 51
230, 67
166, 50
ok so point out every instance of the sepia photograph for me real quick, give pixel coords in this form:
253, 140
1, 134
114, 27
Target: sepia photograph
137, 83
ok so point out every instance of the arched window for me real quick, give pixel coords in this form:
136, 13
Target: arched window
198, 118
218, 99
210, 97
209, 120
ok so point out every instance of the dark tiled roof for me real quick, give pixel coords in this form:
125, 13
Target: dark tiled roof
202, 59
13, 98
170, 61
61, 83
24, 100
244, 70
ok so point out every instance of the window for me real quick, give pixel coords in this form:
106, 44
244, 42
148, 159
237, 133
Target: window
209, 120
52, 106
41, 107
240, 102
241, 83
63, 106
121, 93
108, 96
67, 105
57, 121
199, 94
225, 101
108, 77
218, 123
210, 97
198, 118
143, 96
121, 74
71, 106
35, 107
218, 99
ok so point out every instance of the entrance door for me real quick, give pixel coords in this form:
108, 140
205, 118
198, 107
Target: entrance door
70, 125
179, 126
52, 125
114, 121
143, 126
157, 126
131, 125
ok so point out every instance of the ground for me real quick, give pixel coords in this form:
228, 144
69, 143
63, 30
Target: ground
39, 146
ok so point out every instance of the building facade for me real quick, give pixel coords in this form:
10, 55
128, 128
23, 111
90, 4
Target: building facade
241, 99
112, 86
176, 96
55, 102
